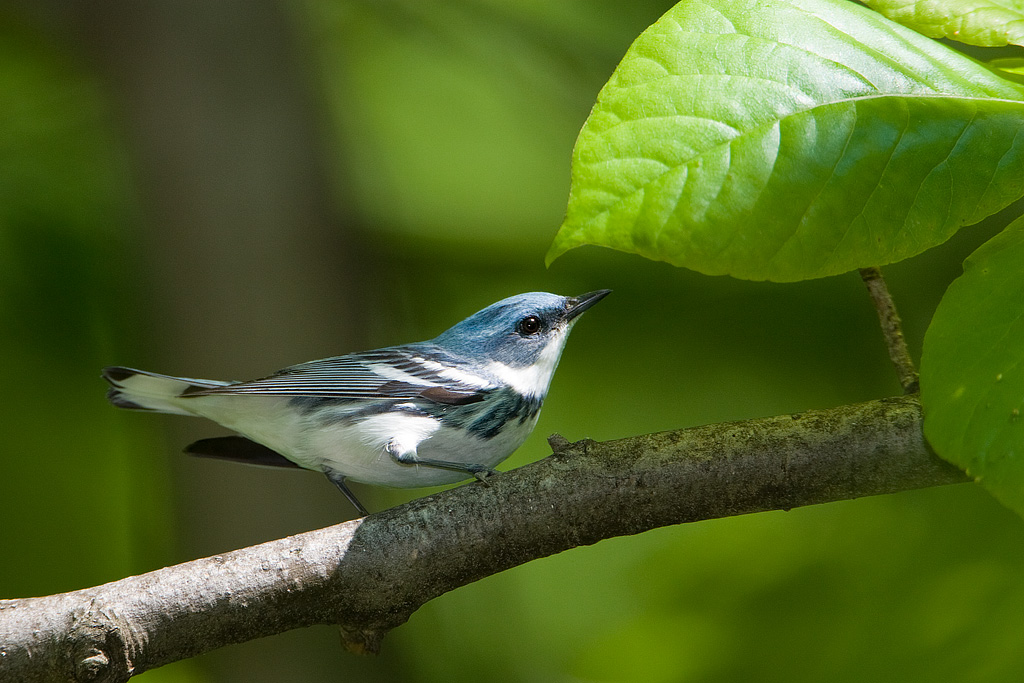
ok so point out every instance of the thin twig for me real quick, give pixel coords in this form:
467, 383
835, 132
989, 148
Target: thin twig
892, 329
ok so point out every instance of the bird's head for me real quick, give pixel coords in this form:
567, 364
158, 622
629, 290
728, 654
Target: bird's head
520, 339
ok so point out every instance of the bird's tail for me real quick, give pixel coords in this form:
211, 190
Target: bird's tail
140, 390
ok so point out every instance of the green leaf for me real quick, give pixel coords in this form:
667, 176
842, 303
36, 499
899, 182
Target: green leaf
972, 369
988, 23
1009, 66
790, 140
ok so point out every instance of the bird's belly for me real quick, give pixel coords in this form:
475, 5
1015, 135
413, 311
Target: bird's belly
361, 455
268, 420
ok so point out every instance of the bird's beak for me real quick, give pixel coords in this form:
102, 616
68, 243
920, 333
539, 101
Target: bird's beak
578, 304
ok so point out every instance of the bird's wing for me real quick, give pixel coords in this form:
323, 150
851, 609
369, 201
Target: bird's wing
400, 372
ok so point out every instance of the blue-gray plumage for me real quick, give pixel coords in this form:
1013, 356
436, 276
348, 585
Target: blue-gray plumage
420, 414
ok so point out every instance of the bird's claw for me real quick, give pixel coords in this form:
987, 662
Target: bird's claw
483, 473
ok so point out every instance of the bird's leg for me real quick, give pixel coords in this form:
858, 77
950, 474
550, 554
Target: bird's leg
339, 481
481, 472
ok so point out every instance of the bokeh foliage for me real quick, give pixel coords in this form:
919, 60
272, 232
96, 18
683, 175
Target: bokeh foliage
454, 123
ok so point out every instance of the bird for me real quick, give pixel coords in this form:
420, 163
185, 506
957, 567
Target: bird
414, 415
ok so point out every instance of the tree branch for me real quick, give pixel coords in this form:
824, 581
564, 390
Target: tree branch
892, 329
370, 575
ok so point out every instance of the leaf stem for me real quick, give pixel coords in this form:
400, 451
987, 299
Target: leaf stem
892, 329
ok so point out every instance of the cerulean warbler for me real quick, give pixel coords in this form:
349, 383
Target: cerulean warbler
423, 414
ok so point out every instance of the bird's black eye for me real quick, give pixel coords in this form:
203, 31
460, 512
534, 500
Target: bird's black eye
528, 325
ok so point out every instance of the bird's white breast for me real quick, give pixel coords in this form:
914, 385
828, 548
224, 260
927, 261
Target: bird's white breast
359, 451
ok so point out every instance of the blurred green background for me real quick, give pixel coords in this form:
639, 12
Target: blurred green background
223, 189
